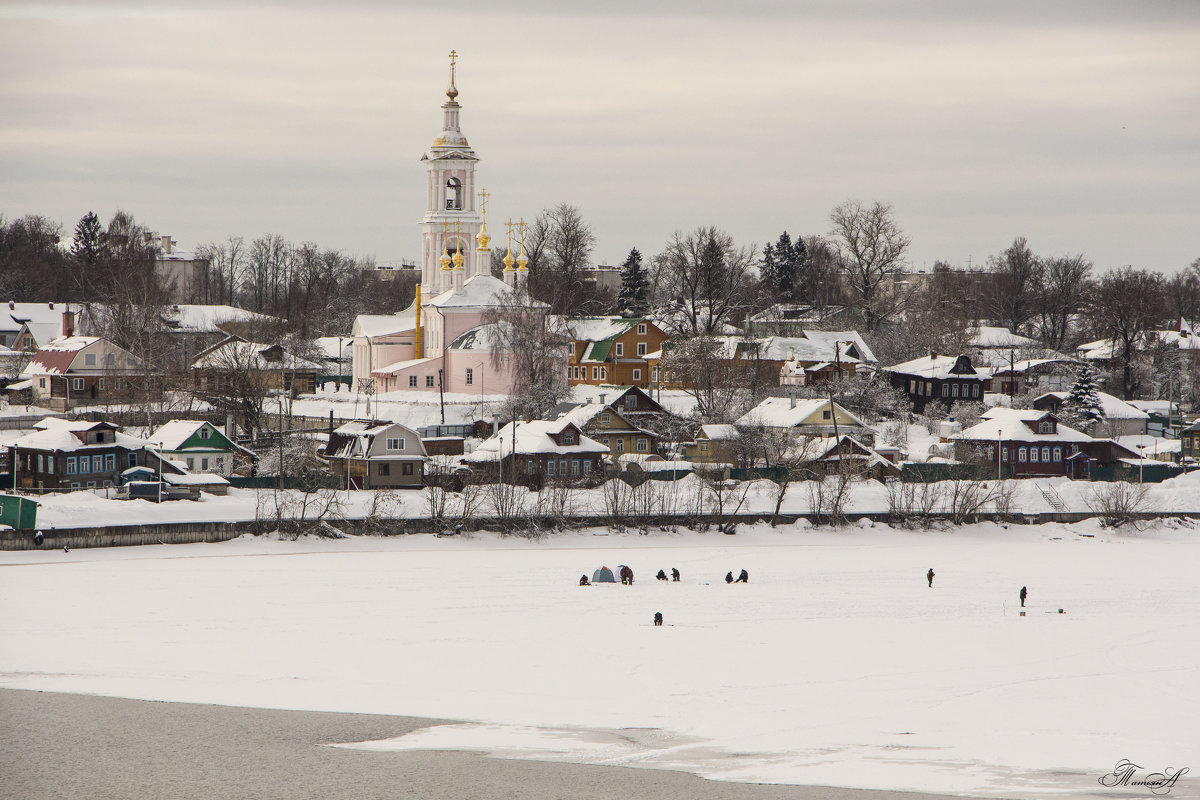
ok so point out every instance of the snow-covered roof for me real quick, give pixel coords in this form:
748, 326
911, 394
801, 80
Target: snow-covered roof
1019, 424
375, 325
782, 412
991, 336
830, 337
250, 355
935, 366
1113, 407
720, 432
532, 438
353, 439
1004, 366
335, 347
583, 413
596, 329
194, 479
480, 291
485, 338
194, 318
63, 438
15, 315
400, 366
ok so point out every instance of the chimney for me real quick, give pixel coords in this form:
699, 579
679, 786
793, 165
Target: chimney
602, 394
166, 245
933, 354
68, 325
792, 400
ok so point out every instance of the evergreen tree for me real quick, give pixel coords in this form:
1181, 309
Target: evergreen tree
782, 264
86, 247
1082, 407
633, 300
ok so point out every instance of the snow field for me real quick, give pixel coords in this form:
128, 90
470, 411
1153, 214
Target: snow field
835, 665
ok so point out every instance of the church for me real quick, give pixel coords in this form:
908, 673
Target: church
443, 340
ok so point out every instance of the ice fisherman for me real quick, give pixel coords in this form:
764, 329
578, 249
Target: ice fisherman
674, 574
658, 619
929, 577
626, 575
743, 577
583, 580
1024, 594
729, 577
662, 576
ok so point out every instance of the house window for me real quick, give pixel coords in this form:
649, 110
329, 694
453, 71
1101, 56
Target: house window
203, 463
620, 444
1045, 454
1044, 427
928, 389
100, 384
429, 381
191, 463
631, 402
604, 373
975, 390
595, 373
641, 348
575, 468
470, 376
641, 330
89, 359
1058, 454
654, 374
606, 418
384, 469
568, 437
1033, 455
412, 381
587, 467
204, 433
637, 374
395, 444
70, 465
1022, 455
826, 414
407, 468
620, 349
954, 390
97, 463
110, 462
76, 384
41, 383
39, 462
1004, 454
945, 390
110, 360
133, 459
550, 468
643, 445
703, 445
912, 387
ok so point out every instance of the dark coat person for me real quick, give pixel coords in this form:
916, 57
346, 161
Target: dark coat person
1024, 594
929, 577
583, 581
674, 574
658, 618
626, 575
729, 577
662, 576
743, 577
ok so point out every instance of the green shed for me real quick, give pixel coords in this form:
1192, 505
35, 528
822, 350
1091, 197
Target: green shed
19, 513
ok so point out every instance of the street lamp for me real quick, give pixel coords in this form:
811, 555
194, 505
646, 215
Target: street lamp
999, 451
1141, 458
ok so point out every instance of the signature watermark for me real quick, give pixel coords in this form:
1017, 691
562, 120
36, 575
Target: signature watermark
1127, 773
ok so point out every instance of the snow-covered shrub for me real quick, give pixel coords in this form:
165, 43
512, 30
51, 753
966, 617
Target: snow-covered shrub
1118, 503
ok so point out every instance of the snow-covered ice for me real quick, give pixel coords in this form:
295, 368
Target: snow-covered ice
835, 665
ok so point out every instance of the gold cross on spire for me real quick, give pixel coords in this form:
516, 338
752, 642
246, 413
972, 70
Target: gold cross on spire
452, 92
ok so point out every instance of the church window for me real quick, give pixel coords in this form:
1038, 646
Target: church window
470, 376
412, 381
454, 195
429, 381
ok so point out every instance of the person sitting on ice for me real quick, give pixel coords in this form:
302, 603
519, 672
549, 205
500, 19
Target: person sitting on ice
626, 575
662, 576
658, 618
583, 580
729, 576
744, 577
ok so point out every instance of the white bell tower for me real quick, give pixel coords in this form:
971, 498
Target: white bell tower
452, 217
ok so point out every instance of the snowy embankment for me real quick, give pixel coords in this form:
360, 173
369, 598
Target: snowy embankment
837, 664
82, 509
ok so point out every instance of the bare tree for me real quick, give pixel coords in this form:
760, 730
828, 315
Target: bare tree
533, 344
871, 249
703, 281
701, 366
1126, 304
1013, 291
1062, 292
559, 246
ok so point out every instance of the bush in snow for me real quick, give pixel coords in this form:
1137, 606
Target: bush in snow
1118, 503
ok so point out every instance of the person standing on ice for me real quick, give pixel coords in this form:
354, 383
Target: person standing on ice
929, 577
1024, 594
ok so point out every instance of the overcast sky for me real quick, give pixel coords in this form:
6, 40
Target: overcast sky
1074, 124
